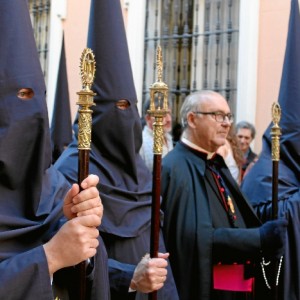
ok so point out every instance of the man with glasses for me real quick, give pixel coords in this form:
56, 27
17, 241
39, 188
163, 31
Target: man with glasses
212, 233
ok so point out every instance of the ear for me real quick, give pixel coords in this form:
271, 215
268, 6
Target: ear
191, 119
149, 120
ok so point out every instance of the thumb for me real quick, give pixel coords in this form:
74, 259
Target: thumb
163, 255
90, 181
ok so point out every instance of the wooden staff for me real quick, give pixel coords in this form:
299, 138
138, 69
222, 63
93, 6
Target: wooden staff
275, 134
87, 72
158, 109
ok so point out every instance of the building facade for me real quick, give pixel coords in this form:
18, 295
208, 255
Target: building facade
235, 47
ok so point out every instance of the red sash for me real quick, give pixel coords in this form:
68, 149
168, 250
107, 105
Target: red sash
231, 278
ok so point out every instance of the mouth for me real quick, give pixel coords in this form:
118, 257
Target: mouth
223, 133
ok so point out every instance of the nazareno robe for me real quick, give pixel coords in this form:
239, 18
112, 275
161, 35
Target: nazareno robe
125, 182
126, 193
258, 184
197, 230
31, 189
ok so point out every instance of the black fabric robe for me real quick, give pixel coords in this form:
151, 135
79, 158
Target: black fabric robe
196, 236
257, 185
125, 182
125, 226
31, 189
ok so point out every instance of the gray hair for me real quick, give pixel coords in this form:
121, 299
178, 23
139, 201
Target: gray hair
193, 102
246, 125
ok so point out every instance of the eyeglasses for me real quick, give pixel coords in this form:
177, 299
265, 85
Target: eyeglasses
218, 116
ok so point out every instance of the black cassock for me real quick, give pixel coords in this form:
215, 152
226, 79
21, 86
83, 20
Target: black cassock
198, 233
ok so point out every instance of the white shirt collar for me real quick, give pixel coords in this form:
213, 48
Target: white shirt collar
196, 147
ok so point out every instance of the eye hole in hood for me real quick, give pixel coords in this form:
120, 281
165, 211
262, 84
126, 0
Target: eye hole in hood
25, 94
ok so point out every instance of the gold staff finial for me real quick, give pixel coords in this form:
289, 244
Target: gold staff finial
158, 104
159, 64
276, 131
85, 101
87, 68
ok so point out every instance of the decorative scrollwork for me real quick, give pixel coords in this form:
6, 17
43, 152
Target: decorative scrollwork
158, 105
276, 113
276, 131
87, 68
86, 97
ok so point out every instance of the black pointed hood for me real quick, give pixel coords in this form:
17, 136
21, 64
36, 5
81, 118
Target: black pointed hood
116, 133
28, 183
61, 125
258, 183
125, 182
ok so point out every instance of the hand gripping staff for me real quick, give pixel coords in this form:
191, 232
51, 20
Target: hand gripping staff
158, 109
87, 72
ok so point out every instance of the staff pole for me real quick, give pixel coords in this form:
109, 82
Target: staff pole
85, 101
158, 109
275, 134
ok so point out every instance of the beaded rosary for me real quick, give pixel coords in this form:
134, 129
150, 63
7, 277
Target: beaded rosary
226, 199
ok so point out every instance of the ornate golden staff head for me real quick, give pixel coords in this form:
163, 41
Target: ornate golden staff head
85, 101
158, 104
276, 131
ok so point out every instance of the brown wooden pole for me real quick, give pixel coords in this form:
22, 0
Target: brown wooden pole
83, 172
275, 190
155, 213
158, 109
83, 165
275, 263
275, 134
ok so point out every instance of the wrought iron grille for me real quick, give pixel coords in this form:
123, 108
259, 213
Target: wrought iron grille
40, 17
199, 40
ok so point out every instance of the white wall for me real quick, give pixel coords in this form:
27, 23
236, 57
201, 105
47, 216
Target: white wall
58, 13
135, 38
247, 60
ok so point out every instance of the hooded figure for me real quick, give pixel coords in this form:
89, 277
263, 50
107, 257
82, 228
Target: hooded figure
125, 181
31, 189
257, 185
61, 125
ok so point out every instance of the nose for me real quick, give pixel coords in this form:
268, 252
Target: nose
226, 121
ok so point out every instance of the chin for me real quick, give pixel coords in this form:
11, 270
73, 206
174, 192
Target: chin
220, 144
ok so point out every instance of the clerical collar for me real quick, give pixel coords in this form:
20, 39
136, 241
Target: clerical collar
197, 148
